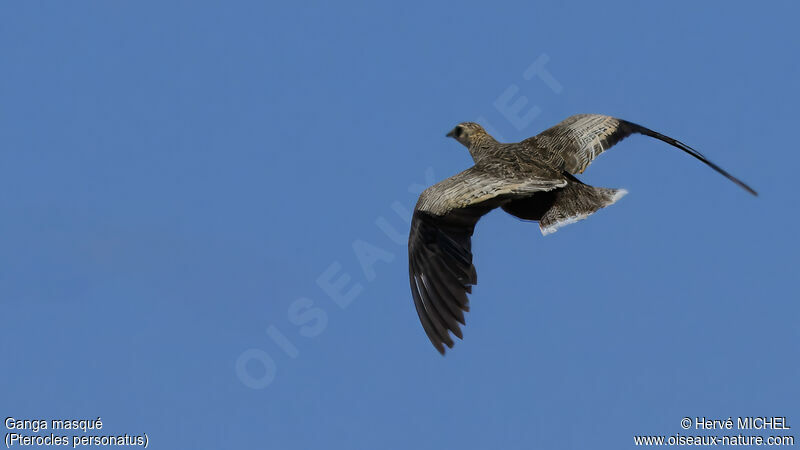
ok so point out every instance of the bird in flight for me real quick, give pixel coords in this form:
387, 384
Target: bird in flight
532, 180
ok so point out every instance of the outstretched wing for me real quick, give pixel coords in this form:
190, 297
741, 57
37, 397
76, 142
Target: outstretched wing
575, 142
440, 249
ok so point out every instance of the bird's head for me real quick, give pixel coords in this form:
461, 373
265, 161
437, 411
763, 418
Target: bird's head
468, 133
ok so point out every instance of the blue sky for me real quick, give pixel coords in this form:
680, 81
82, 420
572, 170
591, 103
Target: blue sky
181, 182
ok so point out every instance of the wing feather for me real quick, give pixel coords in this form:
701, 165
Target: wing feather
441, 272
575, 142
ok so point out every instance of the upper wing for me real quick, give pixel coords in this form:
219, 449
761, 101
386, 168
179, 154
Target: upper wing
439, 245
577, 140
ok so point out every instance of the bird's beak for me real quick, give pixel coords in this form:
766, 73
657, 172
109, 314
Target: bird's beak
452, 133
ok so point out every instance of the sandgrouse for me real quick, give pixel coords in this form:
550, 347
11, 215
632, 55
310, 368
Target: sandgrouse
532, 180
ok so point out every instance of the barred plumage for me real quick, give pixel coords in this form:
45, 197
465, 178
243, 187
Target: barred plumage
532, 180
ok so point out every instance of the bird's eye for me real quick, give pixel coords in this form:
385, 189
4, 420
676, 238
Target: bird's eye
459, 131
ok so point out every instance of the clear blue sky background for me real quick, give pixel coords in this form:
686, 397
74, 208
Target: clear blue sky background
174, 176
